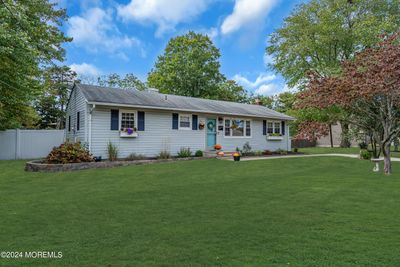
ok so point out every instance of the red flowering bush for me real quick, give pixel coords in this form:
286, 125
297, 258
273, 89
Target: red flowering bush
69, 153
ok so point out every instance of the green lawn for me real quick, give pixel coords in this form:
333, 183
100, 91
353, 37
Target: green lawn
279, 212
327, 150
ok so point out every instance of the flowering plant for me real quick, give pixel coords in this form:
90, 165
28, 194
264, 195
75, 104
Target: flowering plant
236, 154
129, 131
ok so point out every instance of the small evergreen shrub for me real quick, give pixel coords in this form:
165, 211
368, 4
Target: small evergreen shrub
112, 151
184, 152
198, 153
164, 155
365, 154
69, 153
295, 150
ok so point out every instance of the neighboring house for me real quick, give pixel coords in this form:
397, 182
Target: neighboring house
325, 141
147, 122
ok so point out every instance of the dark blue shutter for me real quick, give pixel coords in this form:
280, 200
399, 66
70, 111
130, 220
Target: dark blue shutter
78, 121
264, 127
114, 119
283, 128
140, 120
175, 121
69, 123
194, 122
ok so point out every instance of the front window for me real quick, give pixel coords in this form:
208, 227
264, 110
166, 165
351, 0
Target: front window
277, 128
184, 121
270, 127
237, 128
127, 120
274, 128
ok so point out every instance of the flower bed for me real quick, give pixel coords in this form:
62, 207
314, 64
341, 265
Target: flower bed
42, 166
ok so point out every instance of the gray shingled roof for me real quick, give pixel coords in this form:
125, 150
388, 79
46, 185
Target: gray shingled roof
135, 98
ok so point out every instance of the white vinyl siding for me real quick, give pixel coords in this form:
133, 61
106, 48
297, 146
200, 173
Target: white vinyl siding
158, 136
77, 103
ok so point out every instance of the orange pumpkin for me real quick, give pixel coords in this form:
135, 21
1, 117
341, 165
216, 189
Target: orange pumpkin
221, 154
217, 146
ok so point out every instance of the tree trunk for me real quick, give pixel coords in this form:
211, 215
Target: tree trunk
387, 167
330, 134
345, 142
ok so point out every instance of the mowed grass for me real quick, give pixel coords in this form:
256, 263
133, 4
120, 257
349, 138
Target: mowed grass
340, 150
280, 212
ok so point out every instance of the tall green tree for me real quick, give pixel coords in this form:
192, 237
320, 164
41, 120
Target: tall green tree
189, 66
51, 104
30, 38
320, 34
115, 80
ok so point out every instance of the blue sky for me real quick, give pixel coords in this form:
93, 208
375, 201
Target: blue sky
126, 36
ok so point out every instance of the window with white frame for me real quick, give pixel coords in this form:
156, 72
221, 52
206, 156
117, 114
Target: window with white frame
237, 127
184, 121
127, 120
274, 127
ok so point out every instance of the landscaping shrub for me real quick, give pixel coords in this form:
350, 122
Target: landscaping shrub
198, 153
184, 152
258, 153
246, 151
267, 152
134, 156
365, 154
164, 155
281, 151
295, 150
69, 153
112, 151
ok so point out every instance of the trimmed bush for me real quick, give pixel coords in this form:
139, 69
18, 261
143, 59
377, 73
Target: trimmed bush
198, 153
69, 153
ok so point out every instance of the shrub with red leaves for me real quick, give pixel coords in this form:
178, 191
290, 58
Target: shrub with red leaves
69, 153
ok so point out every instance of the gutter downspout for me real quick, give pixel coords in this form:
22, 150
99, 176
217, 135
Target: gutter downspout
90, 126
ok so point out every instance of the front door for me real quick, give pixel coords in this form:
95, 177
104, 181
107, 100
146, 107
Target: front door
211, 133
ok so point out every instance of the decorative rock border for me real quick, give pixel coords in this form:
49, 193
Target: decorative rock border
40, 166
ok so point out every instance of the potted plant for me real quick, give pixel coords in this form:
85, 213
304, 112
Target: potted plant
236, 156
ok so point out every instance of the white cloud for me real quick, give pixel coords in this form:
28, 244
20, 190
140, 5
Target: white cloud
166, 14
247, 14
265, 84
96, 31
85, 69
261, 79
267, 89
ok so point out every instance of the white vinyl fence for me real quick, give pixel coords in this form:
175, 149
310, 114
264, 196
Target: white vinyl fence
28, 144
